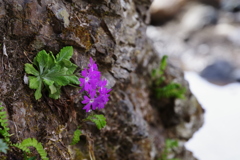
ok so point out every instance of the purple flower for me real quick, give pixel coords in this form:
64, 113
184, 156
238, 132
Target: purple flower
91, 102
102, 89
95, 88
92, 65
102, 100
89, 80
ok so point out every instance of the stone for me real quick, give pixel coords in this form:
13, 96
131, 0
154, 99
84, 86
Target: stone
164, 10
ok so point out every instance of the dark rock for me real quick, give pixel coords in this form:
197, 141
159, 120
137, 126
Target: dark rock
231, 5
164, 10
214, 3
220, 72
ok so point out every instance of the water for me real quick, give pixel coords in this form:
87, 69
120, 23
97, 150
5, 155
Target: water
219, 138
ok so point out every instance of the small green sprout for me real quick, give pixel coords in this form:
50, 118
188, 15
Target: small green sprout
4, 125
165, 90
76, 137
170, 144
98, 119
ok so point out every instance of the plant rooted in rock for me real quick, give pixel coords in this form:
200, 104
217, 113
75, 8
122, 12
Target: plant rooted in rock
4, 130
3, 146
5, 142
170, 144
76, 137
95, 87
4, 125
51, 72
165, 90
98, 119
32, 142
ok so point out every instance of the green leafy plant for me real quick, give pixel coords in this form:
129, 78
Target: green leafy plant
4, 125
31, 158
3, 146
32, 142
4, 143
158, 73
76, 137
29, 142
165, 90
51, 72
98, 119
171, 90
170, 144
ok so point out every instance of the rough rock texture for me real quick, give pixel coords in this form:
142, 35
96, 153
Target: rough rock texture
113, 33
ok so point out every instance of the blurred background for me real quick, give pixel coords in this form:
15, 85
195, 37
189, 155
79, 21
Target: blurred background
202, 37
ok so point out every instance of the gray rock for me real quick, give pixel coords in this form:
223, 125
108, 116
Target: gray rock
220, 72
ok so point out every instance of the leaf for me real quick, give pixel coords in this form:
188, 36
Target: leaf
174, 90
50, 62
53, 59
48, 82
3, 146
154, 73
73, 80
38, 93
170, 143
98, 119
71, 69
56, 95
32, 142
76, 137
32, 158
34, 82
163, 63
51, 72
60, 80
4, 125
58, 75
69, 65
53, 89
41, 60
22, 147
65, 53
66, 63
54, 71
29, 69
171, 90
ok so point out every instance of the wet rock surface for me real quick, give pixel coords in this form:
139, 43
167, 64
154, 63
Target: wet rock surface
114, 34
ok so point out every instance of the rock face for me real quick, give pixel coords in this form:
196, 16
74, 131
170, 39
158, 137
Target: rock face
113, 33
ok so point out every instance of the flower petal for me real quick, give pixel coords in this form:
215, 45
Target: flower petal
86, 100
84, 72
87, 107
